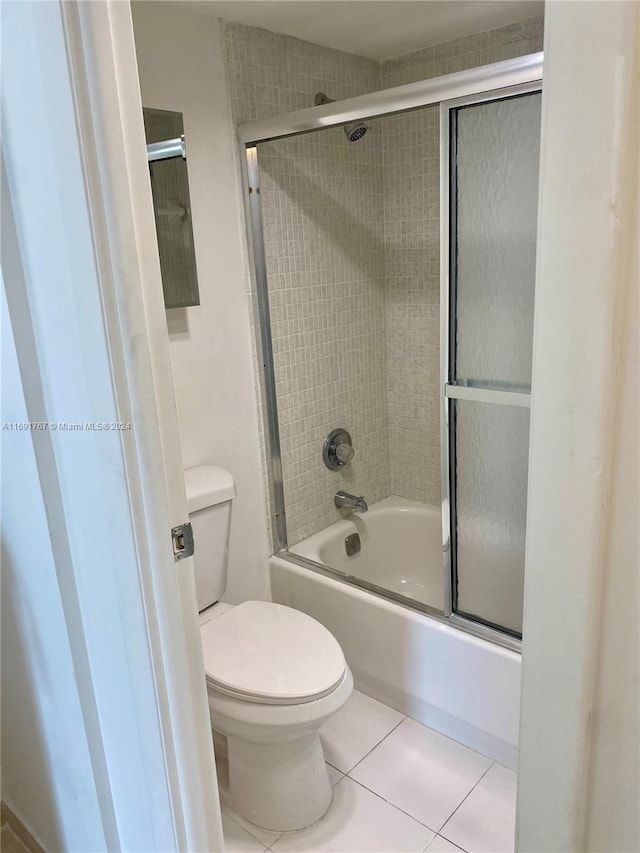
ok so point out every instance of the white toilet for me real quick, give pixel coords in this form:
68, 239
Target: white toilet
274, 676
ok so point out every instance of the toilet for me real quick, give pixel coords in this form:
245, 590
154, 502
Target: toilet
274, 676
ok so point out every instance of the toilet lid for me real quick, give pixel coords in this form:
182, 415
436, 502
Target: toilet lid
271, 653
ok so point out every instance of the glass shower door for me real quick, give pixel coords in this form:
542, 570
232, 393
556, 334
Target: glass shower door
491, 190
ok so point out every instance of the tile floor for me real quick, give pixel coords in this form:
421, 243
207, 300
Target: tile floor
398, 786
9, 841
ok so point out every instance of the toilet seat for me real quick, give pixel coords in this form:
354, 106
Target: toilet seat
267, 653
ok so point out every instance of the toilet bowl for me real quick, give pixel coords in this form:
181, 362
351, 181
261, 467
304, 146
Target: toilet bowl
274, 676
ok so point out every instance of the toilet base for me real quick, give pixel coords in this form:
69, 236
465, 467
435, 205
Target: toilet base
278, 786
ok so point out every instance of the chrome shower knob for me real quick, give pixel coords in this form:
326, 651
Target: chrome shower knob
345, 453
338, 449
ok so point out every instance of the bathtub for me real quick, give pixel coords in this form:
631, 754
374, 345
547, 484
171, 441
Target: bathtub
401, 548
459, 684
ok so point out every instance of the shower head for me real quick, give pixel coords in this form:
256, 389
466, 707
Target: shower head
355, 130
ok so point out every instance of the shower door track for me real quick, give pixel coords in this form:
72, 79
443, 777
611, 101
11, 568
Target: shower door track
487, 82
399, 99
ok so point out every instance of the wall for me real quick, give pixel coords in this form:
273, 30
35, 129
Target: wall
411, 145
355, 300
181, 68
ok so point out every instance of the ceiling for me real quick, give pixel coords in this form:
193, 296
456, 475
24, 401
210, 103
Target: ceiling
380, 29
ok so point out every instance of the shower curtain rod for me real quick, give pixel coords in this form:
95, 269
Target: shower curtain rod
167, 149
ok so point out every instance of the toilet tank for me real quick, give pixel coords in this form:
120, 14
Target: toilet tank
210, 491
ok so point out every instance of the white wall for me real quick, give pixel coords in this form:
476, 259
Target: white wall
47, 777
180, 66
579, 785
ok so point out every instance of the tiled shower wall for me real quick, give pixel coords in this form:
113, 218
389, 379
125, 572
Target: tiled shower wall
323, 225
411, 165
352, 244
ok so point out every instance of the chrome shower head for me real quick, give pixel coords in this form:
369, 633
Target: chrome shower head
355, 130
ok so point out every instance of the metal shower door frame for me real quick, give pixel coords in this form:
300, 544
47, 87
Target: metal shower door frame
485, 82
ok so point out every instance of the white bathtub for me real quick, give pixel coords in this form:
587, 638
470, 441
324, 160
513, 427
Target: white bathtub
401, 548
459, 684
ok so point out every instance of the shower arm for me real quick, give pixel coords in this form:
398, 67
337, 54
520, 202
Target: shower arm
167, 149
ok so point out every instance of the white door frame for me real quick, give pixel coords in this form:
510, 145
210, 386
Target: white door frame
81, 251
585, 289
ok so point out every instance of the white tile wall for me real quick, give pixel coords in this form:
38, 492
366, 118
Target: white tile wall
323, 223
352, 241
411, 166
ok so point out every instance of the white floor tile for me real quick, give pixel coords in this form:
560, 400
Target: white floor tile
441, 845
237, 839
421, 772
357, 727
486, 821
266, 837
357, 822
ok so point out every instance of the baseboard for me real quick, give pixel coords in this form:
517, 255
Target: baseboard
19, 829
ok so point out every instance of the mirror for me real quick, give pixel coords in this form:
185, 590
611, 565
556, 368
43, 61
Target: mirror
172, 208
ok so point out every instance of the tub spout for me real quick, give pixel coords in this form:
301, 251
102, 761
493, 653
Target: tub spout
344, 500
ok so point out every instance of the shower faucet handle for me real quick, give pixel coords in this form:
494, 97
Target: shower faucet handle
345, 453
337, 450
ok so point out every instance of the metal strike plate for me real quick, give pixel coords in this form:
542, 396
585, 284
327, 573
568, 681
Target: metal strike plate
182, 539
352, 544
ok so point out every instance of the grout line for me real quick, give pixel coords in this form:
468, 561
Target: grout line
437, 835
393, 805
236, 817
379, 796
397, 808
360, 760
464, 849
275, 840
430, 842
463, 800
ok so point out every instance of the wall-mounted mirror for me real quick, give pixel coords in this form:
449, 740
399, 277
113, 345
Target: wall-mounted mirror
172, 208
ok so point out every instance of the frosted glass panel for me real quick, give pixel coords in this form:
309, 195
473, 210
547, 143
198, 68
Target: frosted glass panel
491, 451
497, 153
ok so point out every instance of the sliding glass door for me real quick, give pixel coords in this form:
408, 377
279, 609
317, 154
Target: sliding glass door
490, 190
